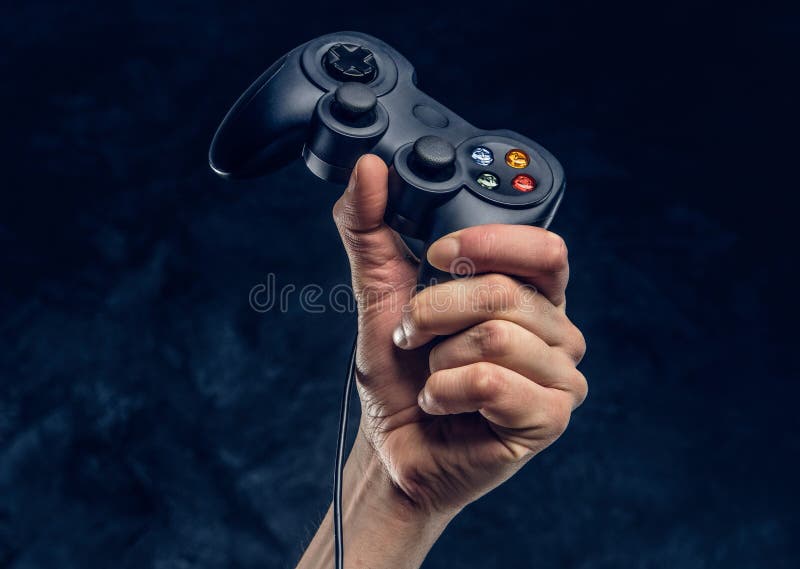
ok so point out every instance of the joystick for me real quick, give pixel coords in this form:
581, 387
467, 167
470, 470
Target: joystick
354, 104
342, 95
346, 124
432, 158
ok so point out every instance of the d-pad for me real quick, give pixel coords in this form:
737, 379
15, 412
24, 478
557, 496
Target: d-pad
350, 62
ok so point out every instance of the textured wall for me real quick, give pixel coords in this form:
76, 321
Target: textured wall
150, 418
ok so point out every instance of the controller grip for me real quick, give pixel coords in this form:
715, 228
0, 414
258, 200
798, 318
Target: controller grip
459, 213
430, 275
266, 127
451, 216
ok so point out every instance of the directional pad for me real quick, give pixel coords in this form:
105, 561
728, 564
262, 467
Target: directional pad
350, 62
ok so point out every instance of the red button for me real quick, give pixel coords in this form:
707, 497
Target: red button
523, 183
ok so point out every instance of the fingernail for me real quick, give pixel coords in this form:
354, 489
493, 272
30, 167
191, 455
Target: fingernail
427, 403
399, 337
422, 400
443, 252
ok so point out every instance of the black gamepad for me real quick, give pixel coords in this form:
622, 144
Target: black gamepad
345, 94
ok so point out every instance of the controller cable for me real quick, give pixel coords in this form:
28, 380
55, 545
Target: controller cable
339, 466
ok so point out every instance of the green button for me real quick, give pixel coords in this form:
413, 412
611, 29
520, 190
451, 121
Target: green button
488, 180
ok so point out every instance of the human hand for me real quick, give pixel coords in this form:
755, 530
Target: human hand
445, 421
451, 422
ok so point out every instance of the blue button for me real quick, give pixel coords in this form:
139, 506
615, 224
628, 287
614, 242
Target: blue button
482, 156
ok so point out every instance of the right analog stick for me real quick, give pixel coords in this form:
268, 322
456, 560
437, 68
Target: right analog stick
432, 158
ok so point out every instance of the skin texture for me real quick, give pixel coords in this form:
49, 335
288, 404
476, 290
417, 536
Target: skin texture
460, 384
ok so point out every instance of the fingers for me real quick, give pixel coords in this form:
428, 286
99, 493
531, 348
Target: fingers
504, 397
450, 307
513, 347
377, 256
533, 254
361, 208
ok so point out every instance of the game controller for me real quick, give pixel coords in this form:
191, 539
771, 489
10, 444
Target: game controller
345, 94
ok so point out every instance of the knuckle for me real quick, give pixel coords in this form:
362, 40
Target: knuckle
336, 211
493, 338
558, 417
343, 213
499, 281
556, 254
575, 345
495, 293
527, 299
485, 383
579, 387
560, 422
353, 242
485, 245
345, 218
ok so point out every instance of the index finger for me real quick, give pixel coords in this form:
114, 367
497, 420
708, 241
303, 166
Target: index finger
531, 254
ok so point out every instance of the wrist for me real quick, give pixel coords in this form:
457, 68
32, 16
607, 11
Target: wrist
382, 528
371, 488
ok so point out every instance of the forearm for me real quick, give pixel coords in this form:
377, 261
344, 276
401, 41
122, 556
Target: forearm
382, 529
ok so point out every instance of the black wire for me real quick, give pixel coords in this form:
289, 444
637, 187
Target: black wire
338, 539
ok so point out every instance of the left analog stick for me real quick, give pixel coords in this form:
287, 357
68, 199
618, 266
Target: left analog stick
354, 105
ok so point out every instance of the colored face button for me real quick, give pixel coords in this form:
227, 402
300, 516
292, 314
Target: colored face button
523, 183
482, 156
517, 158
488, 180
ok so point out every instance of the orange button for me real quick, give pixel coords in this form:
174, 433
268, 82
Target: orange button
516, 158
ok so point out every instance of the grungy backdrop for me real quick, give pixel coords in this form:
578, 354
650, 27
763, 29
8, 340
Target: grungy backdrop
150, 418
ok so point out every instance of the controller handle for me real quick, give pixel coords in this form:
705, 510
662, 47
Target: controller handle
267, 125
454, 215
288, 108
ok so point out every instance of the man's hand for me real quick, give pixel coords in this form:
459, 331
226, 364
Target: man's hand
460, 384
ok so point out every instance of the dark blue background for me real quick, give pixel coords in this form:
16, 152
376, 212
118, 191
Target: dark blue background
150, 418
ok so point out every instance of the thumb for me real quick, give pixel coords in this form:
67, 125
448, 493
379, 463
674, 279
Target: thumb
378, 257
